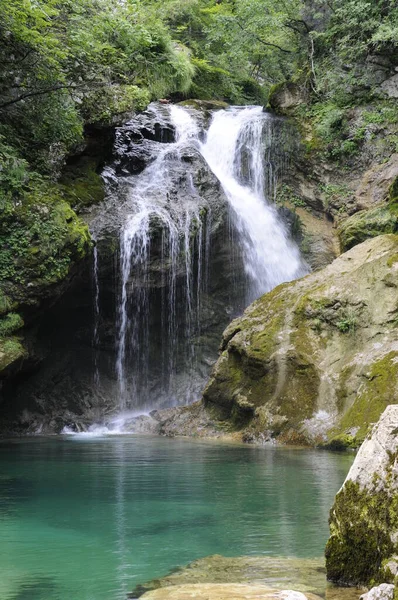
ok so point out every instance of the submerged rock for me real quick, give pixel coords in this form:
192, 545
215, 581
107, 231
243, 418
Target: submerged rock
316, 360
363, 541
226, 591
306, 575
265, 574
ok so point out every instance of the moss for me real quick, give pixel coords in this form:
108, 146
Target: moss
9, 324
360, 524
392, 260
343, 442
367, 224
40, 242
41, 239
393, 190
6, 304
374, 394
11, 351
81, 185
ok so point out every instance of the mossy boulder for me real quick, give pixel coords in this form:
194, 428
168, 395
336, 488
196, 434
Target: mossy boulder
367, 224
363, 544
315, 360
373, 222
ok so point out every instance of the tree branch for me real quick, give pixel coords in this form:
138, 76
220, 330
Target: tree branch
263, 41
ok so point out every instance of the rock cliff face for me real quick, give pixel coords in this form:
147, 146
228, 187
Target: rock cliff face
315, 360
340, 184
363, 543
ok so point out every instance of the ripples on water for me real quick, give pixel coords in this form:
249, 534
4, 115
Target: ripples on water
89, 518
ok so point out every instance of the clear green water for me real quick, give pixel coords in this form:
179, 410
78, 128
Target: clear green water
88, 519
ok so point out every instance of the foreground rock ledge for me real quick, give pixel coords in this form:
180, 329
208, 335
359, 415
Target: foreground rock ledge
212, 575
363, 543
225, 591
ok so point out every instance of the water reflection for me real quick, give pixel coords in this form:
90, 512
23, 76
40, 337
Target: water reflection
96, 517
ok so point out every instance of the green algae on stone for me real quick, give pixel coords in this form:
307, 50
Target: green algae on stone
393, 190
360, 540
41, 241
378, 390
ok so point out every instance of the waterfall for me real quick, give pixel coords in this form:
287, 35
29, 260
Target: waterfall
151, 193
97, 314
202, 187
237, 136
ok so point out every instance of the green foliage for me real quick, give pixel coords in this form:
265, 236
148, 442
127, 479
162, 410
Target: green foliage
9, 324
347, 324
81, 185
286, 194
14, 176
81, 61
40, 240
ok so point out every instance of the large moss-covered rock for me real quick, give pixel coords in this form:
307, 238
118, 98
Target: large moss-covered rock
40, 241
315, 360
363, 543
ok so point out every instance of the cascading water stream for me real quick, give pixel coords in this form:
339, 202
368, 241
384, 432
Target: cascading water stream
168, 264
150, 194
270, 256
97, 314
